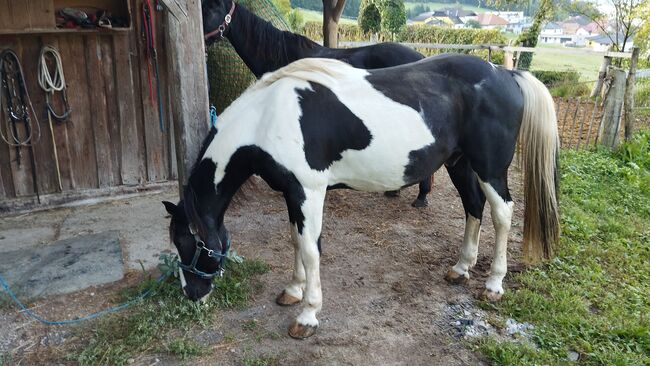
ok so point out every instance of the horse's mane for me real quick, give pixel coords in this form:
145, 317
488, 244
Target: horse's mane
270, 41
323, 71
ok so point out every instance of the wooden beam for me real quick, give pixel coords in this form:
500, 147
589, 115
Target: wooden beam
610, 127
629, 94
188, 84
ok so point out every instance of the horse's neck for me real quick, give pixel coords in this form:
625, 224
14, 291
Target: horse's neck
264, 48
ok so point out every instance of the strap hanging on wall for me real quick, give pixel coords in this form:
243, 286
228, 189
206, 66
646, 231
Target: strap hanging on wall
18, 131
149, 37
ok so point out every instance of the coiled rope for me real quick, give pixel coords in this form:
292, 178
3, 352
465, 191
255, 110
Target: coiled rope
53, 83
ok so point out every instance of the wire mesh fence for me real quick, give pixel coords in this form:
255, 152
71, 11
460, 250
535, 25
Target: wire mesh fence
228, 76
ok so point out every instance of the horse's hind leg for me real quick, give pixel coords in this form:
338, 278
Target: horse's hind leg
292, 294
467, 184
501, 206
425, 188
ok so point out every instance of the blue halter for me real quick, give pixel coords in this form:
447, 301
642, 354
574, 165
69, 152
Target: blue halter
200, 246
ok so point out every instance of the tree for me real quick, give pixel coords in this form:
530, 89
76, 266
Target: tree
642, 37
393, 16
332, 10
529, 37
620, 26
473, 24
369, 17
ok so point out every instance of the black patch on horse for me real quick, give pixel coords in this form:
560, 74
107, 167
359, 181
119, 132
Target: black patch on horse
274, 174
325, 137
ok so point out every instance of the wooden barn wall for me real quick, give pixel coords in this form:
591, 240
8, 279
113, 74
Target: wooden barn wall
112, 137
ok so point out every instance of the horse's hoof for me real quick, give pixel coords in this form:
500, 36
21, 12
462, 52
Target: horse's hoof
299, 331
491, 296
391, 193
420, 203
455, 278
284, 299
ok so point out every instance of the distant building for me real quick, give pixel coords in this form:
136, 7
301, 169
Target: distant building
602, 42
491, 21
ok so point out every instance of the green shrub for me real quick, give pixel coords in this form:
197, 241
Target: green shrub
421, 34
553, 78
563, 83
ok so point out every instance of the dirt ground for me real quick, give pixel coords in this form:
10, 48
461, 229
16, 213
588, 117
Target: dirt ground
384, 298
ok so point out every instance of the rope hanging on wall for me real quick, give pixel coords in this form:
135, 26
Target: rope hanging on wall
53, 83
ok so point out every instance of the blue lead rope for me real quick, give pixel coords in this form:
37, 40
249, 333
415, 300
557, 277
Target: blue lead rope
213, 116
114, 309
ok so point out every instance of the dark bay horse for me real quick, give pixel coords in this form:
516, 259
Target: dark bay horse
320, 124
264, 48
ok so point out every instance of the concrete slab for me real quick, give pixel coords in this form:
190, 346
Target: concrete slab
65, 266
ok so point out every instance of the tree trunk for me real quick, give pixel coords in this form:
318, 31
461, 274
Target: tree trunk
629, 94
332, 10
330, 33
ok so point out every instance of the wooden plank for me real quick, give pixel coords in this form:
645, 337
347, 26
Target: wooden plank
60, 128
154, 139
134, 42
20, 158
189, 86
19, 10
45, 167
41, 14
82, 147
5, 15
163, 69
99, 117
5, 153
132, 150
111, 99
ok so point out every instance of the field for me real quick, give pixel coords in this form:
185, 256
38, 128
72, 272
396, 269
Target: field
587, 65
317, 16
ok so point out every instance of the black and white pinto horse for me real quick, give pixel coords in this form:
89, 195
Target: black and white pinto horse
264, 48
320, 124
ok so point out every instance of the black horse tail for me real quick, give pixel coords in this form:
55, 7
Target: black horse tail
540, 145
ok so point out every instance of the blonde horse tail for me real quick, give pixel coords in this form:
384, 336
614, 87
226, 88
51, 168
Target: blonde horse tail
540, 145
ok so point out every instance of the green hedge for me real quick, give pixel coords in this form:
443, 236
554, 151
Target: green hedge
553, 78
420, 34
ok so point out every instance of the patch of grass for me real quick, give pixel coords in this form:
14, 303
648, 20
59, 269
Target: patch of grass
184, 348
587, 65
265, 360
594, 297
113, 340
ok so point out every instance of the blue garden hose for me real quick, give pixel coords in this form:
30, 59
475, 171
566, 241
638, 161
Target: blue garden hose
114, 309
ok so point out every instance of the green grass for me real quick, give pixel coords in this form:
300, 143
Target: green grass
317, 16
587, 65
162, 322
265, 360
594, 297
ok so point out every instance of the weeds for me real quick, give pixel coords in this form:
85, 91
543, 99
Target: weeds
115, 339
594, 297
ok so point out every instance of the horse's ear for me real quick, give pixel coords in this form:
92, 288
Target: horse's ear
170, 207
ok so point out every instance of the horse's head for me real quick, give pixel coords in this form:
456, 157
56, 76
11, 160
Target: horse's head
202, 252
217, 15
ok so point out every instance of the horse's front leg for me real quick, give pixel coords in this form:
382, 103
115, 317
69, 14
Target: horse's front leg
308, 234
292, 294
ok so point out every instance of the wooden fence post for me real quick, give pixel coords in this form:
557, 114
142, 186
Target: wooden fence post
601, 74
610, 127
629, 94
188, 82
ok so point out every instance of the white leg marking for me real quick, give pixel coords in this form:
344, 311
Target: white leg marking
469, 250
297, 285
501, 212
312, 209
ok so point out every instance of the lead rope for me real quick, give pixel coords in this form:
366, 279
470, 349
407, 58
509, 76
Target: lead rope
50, 84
